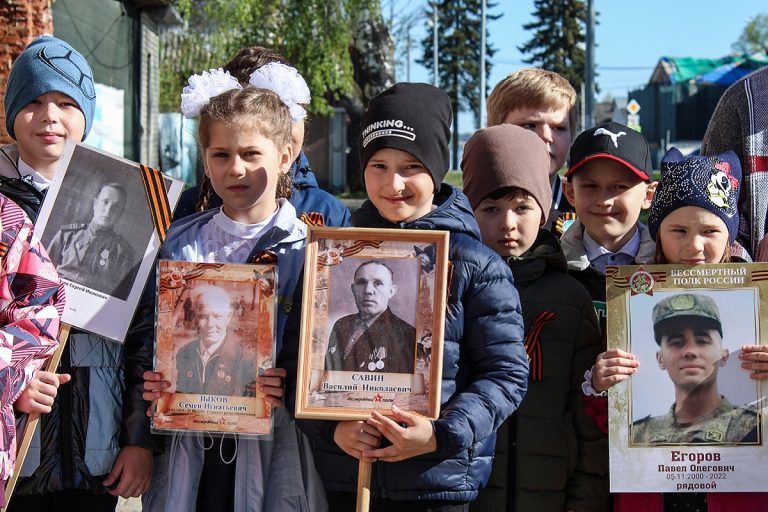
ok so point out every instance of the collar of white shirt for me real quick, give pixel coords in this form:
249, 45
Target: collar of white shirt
39, 181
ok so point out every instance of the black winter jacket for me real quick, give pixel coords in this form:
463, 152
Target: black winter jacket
94, 415
550, 455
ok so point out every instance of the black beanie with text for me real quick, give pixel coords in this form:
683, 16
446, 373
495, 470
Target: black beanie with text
411, 117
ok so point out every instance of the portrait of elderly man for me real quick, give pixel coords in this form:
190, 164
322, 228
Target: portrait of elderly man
93, 254
689, 335
374, 339
214, 363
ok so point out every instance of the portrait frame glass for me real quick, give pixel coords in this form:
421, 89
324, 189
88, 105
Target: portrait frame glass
104, 285
668, 317
415, 263
218, 394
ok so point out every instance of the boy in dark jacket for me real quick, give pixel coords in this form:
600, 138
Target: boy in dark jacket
550, 456
441, 464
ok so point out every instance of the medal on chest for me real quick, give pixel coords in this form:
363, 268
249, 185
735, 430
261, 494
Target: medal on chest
377, 359
221, 373
103, 258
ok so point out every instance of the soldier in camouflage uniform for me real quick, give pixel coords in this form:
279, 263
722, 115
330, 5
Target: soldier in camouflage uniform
94, 254
688, 331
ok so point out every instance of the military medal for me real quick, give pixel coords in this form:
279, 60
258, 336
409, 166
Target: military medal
380, 353
103, 257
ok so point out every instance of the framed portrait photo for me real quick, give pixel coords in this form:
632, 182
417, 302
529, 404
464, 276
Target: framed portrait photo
372, 322
690, 419
214, 335
102, 223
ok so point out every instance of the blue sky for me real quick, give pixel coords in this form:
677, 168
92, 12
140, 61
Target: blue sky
629, 35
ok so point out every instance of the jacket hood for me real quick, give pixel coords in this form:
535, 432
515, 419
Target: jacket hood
545, 254
301, 172
452, 213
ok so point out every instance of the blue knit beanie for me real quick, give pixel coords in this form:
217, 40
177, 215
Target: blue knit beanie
709, 182
49, 64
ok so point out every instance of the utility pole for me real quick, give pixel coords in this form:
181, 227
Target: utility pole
436, 79
481, 118
589, 79
408, 53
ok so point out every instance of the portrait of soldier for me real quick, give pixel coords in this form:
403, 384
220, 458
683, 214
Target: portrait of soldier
374, 339
689, 335
214, 363
93, 254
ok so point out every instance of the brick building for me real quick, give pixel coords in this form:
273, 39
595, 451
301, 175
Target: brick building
120, 40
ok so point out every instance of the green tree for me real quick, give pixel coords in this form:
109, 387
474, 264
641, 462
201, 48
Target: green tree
558, 40
459, 25
314, 35
754, 37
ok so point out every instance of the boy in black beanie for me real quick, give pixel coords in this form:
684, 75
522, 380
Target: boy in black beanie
422, 464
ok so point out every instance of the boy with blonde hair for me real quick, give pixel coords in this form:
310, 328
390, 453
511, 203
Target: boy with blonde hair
544, 102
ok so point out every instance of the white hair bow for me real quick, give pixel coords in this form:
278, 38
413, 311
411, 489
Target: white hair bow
203, 87
287, 83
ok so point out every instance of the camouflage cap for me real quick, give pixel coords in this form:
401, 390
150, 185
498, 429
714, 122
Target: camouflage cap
685, 305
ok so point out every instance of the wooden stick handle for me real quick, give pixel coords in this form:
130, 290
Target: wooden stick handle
364, 486
33, 419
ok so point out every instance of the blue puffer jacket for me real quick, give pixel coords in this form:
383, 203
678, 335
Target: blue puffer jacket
307, 197
485, 369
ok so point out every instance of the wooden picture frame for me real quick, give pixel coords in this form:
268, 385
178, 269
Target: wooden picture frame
372, 322
214, 335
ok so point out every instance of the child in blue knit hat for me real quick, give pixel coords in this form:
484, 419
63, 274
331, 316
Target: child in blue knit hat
49, 98
694, 219
95, 443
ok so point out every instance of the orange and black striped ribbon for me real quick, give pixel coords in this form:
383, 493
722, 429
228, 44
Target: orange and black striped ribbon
312, 219
157, 198
264, 257
359, 246
533, 345
3, 249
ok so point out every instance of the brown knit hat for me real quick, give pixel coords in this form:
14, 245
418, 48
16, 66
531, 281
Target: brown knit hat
503, 156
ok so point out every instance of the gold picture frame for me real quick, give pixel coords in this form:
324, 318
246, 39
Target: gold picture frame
373, 322
686, 326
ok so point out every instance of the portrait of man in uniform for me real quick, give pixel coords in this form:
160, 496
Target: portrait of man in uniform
374, 339
214, 362
93, 253
688, 332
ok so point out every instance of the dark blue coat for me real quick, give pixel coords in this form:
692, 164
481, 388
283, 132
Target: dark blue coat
307, 197
485, 369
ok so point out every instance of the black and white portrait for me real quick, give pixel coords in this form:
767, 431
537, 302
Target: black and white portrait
100, 224
372, 310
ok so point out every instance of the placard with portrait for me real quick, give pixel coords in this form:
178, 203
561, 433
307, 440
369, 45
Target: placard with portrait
690, 419
372, 322
214, 335
102, 223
